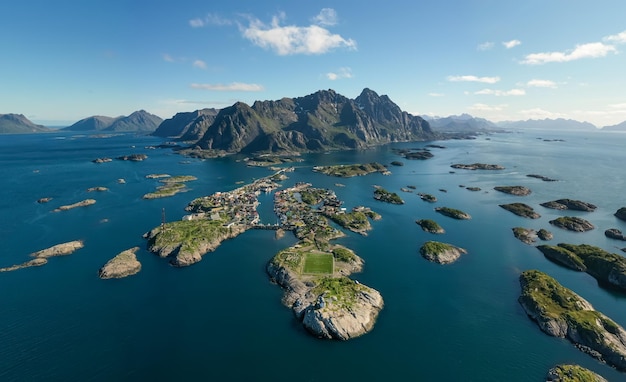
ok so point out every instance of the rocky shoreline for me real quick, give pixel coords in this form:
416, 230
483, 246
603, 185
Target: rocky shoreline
441, 253
41, 257
84, 203
123, 265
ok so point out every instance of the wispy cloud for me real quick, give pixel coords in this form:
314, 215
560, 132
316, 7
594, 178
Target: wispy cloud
511, 44
232, 87
619, 38
541, 84
501, 93
486, 80
291, 39
209, 19
327, 17
538, 113
344, 72
590, 50
168, 58
485, 107
199, 64
618, 106
485, 46
436, 94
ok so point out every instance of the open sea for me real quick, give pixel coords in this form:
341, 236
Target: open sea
222, 319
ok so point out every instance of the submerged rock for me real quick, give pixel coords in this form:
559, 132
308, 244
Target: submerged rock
122, 265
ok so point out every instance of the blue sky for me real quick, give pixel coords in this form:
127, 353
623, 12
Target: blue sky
501, 60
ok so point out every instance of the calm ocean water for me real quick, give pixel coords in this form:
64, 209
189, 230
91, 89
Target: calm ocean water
223, 319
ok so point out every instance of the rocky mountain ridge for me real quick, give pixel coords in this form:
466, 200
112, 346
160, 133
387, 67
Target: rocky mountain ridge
19, 124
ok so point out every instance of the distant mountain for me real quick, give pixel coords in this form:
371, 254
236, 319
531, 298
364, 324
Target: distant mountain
548, 124
19, 124
460, 123
188, 126
320, 121
94, 123
139, 121
618, 127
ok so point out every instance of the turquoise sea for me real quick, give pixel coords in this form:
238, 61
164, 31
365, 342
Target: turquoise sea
222, 319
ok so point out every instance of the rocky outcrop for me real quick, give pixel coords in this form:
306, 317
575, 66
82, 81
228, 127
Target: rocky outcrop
542, 177
562, 313
614, 233
133, 157
31, 263
441, 253
514, 190
187, 126
123, 265
59, 249
431, 226
621, 214
102, 160
572, 223
570, 204
477, 166
525, 235
521, 209
572, 373
83, 203
545, 235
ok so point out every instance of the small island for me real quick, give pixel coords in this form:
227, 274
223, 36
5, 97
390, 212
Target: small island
477, 166
427, 197
44, 200
544, 178
572, 223
521, 209
386, 196
172, 185
572, 373
97, 189
347, 171
41, 257
608, 268
415, 153
525, 235
545, 235
441, 253
123, 265
84, 203
102, 160
614, 233
453, 213
560, 312
514, 190
431, 226
268, 160
621, 214
133, 157
569, 204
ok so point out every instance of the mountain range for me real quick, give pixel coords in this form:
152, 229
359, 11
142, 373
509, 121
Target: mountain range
18, 124
139, 121
320, 121
460, 123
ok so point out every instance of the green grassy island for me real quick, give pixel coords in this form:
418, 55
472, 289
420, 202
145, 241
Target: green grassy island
387, 196
572, 373
453, 213
431, 226
521, 209
560, 312
514, 190
350, 170
608, 268
572, 223
441, 253
172, 185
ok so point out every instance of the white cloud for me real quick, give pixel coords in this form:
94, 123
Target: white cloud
234, 86
436, 94
541, 84
486, 80
590, 50
327, 16
484, 107
485, 46
511, 44
538, 113
287, 40
199, 64
618, 106
619, 38
341, 73
502, 93
209, 19
168, 58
